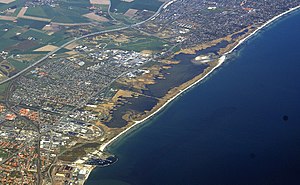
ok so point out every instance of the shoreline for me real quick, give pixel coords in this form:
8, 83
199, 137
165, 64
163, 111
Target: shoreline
221, 60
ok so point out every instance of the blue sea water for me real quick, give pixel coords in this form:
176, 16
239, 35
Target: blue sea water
229, 130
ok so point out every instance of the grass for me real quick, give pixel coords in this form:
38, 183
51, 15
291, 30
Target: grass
5, 43
71, 11
63, 14
38, 35
176, 49
124, 19
4, 21
31, 23
122, 6
18, 64
63, 50
68, 11
38, 11
11, 32
15, 4
61, 41
104, 8
3, 89
70, 16
78, 152
140, 44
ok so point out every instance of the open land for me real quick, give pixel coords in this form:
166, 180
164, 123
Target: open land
6, 1
100, 2
70, 89
95, 17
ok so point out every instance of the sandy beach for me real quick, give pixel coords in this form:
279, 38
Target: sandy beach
221, 60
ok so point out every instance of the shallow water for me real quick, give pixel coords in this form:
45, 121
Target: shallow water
227, 130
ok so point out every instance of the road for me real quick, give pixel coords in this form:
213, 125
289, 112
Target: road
59, 48
82, 37
83, 103
109, 12
154, 15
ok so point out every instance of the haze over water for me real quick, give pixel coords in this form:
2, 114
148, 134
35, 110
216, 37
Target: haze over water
227, 130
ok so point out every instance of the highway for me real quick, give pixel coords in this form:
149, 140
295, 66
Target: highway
82, 37
50, 54
167, 3
59, 48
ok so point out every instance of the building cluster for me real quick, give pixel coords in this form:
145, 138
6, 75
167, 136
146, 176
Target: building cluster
36, 3
194, 22
3, 55
51, 108
48, 101
21, 166
70, 174
61, 85
18, 152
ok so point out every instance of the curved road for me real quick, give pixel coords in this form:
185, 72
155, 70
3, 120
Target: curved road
84, 36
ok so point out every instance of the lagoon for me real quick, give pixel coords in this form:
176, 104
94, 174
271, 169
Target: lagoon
230, 129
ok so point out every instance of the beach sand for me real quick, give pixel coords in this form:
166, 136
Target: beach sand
194, 81
221, 60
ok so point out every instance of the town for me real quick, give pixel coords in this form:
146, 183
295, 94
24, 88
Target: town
55, 115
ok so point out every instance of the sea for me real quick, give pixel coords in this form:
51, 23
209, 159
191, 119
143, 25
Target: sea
240, 126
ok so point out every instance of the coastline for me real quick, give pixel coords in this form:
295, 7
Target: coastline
221, 60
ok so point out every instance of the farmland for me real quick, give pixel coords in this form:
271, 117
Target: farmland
29, 29
133, 11
140, 44
120, 6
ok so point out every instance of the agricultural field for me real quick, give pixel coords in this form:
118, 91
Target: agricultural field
64, 13
12, 5
141, 44
131, 40
3, 88
31, 29
132, 11
122, 6
27, 23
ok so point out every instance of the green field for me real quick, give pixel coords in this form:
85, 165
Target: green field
31, 23
122, 7
68, 11
17, 64
41, 11
15, 4
3, 89
124, 19
5, 43
140, 44
37, 35
12, 31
